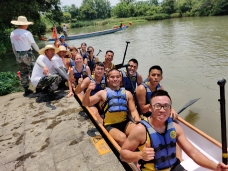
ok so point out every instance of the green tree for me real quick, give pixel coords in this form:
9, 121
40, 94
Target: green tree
87, 12
168, 6
31, 9
121, 10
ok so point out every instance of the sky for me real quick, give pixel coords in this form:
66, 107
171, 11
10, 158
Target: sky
78, 2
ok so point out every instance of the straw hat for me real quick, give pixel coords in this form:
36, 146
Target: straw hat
21, 20
42, 51
63, 48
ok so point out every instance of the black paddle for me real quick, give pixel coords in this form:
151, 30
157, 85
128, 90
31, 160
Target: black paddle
221, 84
191, 102
118, 66
99, 52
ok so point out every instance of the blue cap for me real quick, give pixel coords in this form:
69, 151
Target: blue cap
62, 37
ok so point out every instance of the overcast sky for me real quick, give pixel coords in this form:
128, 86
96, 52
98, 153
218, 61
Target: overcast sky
78, 2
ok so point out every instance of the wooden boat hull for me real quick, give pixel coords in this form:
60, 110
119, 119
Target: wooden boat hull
93, 34
204, 143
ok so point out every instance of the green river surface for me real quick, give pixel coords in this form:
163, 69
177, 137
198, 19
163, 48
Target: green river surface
193, 53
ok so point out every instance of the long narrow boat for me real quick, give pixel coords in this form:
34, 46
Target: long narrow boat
98, 33
203, 142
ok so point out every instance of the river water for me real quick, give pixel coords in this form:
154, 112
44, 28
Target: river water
193, 53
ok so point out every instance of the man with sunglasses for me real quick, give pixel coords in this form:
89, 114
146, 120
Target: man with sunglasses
134, 75
156, 141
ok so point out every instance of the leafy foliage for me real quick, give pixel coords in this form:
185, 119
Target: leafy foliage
9, 83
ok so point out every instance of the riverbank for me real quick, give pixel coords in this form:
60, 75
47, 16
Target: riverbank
37, 134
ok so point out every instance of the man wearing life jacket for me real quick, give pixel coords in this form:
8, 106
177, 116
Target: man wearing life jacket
99, 79
156, 140
135, 76
80, 70
117, 103
61, 42
108, 61
90, 60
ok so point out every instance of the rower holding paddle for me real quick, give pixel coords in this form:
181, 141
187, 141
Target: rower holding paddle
117, 103
108, 61
99, 79
90, 60
134, 75
156, 141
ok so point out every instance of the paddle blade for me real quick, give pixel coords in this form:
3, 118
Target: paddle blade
188, 104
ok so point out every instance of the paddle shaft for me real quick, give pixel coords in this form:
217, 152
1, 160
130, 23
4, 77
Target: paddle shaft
121, 65
99, 52
221, 84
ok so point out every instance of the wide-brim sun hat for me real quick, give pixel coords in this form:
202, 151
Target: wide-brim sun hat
42, 51
63, 48
21, 20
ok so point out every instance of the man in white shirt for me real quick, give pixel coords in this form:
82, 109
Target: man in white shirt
45, 77
22, 40
65, 31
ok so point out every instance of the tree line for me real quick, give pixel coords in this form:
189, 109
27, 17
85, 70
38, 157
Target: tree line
43, 12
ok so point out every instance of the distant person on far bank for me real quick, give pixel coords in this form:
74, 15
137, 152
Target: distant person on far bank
65, 30
22, 40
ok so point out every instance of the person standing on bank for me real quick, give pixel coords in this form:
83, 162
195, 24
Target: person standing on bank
65, 31
22, 40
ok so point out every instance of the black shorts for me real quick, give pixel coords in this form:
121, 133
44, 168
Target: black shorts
120, 126
177, 166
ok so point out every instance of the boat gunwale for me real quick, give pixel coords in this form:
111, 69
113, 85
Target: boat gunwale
104, 132
209, 138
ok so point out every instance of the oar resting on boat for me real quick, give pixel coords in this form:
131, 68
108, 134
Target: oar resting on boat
107, 137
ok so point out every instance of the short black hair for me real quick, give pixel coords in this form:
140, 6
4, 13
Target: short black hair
84, 44
157, 67
113, 69
99, 64
160, 93
90, 47
134, 61
109, 51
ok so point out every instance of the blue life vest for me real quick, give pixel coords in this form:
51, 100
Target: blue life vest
116, 99
91, 63
77, 74
127, 82
64, 44
164, 145
72, 63
149, 92
98, 87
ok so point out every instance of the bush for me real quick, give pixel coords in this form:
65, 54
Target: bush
175, 15
9, 83
160, 16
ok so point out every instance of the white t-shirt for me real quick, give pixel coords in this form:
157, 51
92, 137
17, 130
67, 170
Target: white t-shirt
58, 61
65, 28
37, 72
22, 39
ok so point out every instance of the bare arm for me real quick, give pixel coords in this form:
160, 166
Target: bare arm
141, 95
131, 107
135, 138
88, 71
191, 151
70, 80
139, 79
82, 86
88, 100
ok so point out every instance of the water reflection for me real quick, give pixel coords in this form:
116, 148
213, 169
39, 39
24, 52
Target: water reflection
192, 117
